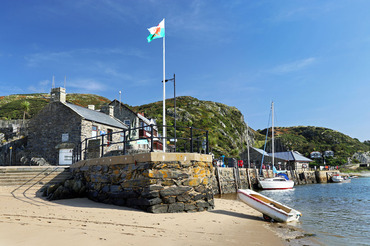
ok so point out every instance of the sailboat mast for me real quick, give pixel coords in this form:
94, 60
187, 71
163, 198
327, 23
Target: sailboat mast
249, 161
272, 133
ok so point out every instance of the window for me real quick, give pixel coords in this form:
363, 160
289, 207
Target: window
110, 135
94, 131
127, 122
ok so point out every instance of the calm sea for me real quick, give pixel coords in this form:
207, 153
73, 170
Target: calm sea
338, 214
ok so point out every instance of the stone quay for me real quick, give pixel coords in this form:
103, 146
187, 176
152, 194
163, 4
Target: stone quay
154, 182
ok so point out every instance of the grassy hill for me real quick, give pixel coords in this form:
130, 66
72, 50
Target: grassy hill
306, 139
11, 106
226, 125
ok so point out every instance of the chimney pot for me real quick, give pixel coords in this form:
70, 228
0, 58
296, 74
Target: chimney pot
58, 95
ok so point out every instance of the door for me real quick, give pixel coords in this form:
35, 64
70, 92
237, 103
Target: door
65, 157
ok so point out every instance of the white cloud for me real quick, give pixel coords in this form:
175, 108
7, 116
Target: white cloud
293, 66
86, 85
308, 10
76, 55
41, 87
39, 58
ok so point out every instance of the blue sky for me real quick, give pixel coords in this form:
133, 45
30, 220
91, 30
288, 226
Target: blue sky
312, 58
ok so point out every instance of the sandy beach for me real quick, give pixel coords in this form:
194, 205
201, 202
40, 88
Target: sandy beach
27, 219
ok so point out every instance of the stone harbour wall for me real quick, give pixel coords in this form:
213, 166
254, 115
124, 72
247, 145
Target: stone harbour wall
154, 182
228, 180
162, 182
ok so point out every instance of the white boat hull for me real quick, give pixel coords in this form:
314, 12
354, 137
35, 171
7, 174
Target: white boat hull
339, 179
276, 184
268, 206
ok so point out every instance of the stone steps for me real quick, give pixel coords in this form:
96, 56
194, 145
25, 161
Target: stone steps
33, 176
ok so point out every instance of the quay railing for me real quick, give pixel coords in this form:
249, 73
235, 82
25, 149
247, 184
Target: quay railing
193, 140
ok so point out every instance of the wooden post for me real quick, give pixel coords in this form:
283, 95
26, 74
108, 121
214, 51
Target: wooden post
219, 180
249, 179
235, 179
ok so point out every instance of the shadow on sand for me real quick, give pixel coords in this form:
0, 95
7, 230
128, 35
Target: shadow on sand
235, 214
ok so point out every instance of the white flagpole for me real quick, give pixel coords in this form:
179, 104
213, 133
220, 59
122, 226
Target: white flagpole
164, 91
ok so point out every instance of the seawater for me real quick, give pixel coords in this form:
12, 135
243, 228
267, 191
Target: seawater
337, 213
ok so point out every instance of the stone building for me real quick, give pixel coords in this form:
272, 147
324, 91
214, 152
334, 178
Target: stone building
140, 125
294, 160
282, 160
60, 126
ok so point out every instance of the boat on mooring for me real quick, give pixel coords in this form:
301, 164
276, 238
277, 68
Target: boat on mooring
271, 209
276, 183
280, 181
337, 178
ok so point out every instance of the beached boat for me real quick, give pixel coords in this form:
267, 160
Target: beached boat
270, 208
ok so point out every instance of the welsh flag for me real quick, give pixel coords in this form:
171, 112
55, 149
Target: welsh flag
156, 31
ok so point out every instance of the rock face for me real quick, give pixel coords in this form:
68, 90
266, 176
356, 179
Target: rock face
362, 157
228, 131
162, 182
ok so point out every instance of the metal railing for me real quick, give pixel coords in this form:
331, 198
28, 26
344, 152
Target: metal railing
193, 140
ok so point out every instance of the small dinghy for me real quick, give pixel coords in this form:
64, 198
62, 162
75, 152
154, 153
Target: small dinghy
336, 178
269, 208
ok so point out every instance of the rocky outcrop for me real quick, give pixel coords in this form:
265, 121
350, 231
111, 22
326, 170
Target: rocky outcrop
362, 157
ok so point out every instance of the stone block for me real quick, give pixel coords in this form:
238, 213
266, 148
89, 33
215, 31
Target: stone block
115, 188
150, 194
99, 178
184, 198
168, 182
192, 182
96, 168
211, 202
202, 204
155, 201
128, 193
137, 183
174, 191
159, 208
176, 207
190, 207
205, 181
106, 188
169, 199
84, 169
155, 187
197, 196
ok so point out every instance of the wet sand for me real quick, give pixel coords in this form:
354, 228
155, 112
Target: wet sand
26, 219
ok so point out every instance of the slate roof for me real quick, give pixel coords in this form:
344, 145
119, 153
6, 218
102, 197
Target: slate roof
261, 151
291, 156
140, 116
96, 116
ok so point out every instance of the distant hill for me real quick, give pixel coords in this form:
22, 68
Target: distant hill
226, 125
11, 106
306, 139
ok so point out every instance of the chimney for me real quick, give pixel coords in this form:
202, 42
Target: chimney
92, 107
58, 95
108, 109
111, 111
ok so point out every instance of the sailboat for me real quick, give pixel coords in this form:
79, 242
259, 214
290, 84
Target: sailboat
279, 182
